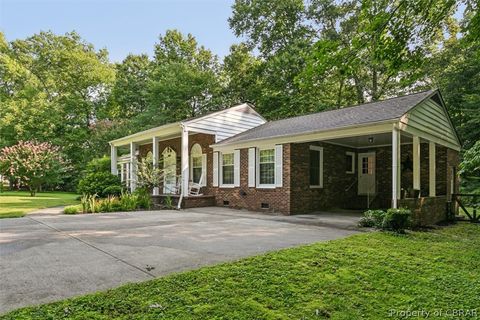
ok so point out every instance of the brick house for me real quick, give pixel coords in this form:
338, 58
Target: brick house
399, 152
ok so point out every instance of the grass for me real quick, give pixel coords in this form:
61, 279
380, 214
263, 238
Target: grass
17, 203
362, 276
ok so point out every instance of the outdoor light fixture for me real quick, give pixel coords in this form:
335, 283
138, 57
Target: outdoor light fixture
370, 139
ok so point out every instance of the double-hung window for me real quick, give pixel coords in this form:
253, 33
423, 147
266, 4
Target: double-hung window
197, 164
227, 169
316, 167
267, 167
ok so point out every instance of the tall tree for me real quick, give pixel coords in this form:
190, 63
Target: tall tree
53, 88
322, 53
277, 30
240, 71
184, 80
129, 95
373, 48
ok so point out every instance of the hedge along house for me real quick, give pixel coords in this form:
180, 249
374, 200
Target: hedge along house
400, 152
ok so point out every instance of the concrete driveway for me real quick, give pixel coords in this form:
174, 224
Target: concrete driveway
48, 257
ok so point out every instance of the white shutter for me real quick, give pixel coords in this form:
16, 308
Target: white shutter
204, 169
278, 165
215, 169
236, 168
251, 167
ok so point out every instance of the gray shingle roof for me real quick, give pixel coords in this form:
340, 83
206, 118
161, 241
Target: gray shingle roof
372, 112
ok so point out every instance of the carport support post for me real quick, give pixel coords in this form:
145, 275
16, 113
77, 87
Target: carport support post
113, 160
431, 169
155, 160
416, 163
395, 167
133, 166
185, 170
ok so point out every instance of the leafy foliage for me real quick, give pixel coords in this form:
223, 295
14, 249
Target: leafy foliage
33, 164
393, 219
148, 175
53, 88
99, 183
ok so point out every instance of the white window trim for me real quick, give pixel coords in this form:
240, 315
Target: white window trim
220, 169
320, 149
352, 169
258, 184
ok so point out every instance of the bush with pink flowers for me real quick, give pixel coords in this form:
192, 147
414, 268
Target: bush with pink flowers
33, 164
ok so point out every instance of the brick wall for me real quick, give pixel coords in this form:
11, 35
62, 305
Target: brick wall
250, 198
295, 196
335, 179
426, 210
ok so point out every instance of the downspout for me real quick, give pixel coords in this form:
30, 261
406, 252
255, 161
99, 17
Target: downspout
182, 189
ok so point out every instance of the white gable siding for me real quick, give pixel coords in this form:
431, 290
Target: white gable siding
431, 118
226, 124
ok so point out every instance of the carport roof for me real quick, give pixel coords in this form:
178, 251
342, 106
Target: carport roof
373, 112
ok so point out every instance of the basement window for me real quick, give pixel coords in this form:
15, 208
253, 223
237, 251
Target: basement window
265, 205
226, 203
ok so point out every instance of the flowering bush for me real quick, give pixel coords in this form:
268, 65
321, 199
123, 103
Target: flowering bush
148, 175
33, 164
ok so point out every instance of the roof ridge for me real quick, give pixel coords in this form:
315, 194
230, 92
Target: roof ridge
351, 106
399, 103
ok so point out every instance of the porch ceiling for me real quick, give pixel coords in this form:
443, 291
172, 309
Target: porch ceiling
366, 141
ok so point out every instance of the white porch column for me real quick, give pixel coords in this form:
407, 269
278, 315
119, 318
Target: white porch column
155, 160
185, 169
395, 167
416, 163
133, 167
431, 169
113, 160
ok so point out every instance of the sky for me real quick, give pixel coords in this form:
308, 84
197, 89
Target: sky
121, 26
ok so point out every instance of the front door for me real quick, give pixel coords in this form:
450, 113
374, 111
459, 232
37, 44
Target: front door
170, 170
366, 173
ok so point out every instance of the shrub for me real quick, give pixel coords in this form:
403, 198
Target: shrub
89, 203
168, 202
98, 182
109, 204
71, 210
112, 191
397, 220
372, 218
128, 201
144, 200
98, 165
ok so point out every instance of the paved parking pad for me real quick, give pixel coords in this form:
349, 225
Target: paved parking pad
45, 257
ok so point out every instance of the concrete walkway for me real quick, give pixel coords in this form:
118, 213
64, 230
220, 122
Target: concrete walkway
48, 257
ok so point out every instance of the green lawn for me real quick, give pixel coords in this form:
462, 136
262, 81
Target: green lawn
17, 203
363, 276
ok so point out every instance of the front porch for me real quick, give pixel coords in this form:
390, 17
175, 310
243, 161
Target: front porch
180, 151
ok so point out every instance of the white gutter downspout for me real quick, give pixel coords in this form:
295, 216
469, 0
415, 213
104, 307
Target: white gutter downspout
185, 169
